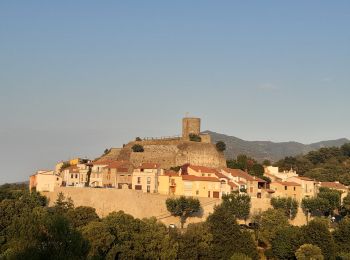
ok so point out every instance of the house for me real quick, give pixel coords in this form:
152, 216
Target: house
96, 175
286, 189
308, 186
275, 175
75, 175
170, 183
200, 186
255, 187
117, 174
145, 177
44, 181
335, 185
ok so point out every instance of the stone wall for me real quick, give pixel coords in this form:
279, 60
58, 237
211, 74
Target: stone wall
145, 205
176, 152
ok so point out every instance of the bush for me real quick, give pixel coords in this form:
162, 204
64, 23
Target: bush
136, 148
138, 139
220, 146
195, 138
308, 251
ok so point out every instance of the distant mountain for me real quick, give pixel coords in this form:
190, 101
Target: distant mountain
261, 150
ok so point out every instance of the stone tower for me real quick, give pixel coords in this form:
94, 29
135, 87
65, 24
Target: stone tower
190, 125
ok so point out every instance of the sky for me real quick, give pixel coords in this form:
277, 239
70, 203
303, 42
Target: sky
77, 77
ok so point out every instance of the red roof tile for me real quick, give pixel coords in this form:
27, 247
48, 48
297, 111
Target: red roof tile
149, 166
333, 185
202, 169
240, 173
232, 185
196, 178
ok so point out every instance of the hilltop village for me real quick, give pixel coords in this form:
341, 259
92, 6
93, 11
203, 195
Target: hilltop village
189, 165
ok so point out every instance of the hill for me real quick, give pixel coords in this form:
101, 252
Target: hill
261, 150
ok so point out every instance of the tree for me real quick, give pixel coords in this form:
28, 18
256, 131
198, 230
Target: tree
63, 204
106, 151
342, 235
44, 235
194, 138
137, 148
315, 206
268, 222
183, 207
99, 238
220, 146
287, 240
309, 251
332, 196
266, 163
317, 233
238, 204
81, 216
345, 208
228, 238
345, 148
138, 139
288, 205
196, 242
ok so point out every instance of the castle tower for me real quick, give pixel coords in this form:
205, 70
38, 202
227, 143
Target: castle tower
190, 125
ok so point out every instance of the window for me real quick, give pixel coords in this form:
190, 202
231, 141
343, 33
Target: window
148, 180
285, 187
71, 176
76, 176
148, 189
208, 193
197, 192
138, 180
294, 188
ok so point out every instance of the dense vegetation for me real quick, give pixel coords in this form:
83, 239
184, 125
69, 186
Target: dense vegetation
30, 229
325, 164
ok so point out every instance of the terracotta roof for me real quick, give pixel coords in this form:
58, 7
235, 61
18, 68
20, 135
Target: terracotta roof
232, 185
240, 173
286, 183
241, 182
149, 166
107, 162
220, 175
122, 170
196, 178
118, 164
333, 185
202, 169
270, 191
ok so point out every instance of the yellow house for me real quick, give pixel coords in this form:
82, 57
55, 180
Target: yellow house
145, 177
308, 186
170, 183
198, 186
286, 189
45, 181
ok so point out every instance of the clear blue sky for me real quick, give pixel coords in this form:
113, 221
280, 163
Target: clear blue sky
77, 77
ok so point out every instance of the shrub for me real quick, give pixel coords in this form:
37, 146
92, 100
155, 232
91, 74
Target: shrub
136, 148
195, 138
220, 146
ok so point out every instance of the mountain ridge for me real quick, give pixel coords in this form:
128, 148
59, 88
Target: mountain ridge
274, 151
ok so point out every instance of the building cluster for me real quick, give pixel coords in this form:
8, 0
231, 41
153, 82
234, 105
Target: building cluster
188, 180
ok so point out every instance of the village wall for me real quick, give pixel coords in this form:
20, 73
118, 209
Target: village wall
145, 205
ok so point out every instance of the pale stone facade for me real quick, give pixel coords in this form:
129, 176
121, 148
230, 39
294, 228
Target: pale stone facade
45, 181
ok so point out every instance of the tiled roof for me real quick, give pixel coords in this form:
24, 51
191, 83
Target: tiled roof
149, 166
232, 185
240, 173
122, 170
196, 178
73, 169
202, 169
333, 185
220, 175
286, 183
118, 164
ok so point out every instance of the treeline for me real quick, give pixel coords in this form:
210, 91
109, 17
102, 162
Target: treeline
325, 164
30, 229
